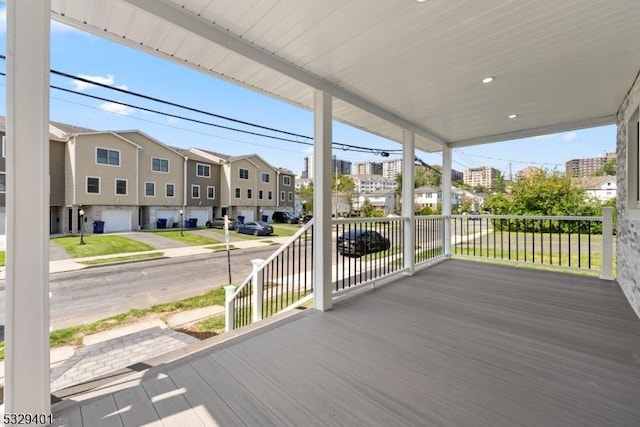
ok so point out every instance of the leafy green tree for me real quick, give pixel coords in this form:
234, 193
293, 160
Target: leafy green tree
498, 204
367, 208
479, 189
499, 183
610, 168
466, 204
306, 195
344, 184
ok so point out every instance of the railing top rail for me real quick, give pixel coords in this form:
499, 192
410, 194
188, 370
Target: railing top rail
362, 220
430, 216
241, 287
543, 217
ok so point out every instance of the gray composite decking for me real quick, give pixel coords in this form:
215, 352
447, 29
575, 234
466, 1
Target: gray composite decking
458, 344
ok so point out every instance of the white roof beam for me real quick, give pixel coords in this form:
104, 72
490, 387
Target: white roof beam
186, 20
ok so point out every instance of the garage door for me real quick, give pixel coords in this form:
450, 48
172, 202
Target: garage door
248, 214
201, 214
116, 220
172, 216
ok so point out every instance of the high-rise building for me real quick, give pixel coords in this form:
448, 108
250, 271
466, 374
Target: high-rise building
391, 168
482, 176
342, 167
368, 168
577, 168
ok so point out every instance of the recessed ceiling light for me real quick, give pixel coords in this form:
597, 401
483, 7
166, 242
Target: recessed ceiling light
421, 1
512, 116
488, 79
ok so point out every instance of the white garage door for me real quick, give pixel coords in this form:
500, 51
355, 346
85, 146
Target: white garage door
172, 216
116, 220
248, 214
201, 214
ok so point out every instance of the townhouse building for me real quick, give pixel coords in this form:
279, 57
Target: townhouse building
286, 190
373, 183
202, 177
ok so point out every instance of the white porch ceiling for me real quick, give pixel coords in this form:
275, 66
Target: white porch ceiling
395, 64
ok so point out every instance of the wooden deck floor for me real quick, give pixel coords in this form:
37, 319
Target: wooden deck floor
459, 344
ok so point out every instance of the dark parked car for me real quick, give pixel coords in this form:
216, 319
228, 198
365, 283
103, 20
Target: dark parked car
257, 228
285, 217
361, 242
219, 223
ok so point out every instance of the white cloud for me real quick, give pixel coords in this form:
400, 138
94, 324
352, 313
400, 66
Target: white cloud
112, 107
173, 120
123, 87
3, 19
78, 85
571, 136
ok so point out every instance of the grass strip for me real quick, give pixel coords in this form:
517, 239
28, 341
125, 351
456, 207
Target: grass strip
187, 237
120, 259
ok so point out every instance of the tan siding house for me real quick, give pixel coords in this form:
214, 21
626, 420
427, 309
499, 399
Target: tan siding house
161, 180
102, 181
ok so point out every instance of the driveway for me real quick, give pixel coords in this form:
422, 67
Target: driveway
154, 240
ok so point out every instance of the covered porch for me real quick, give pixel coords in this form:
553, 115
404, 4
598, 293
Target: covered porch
461, 343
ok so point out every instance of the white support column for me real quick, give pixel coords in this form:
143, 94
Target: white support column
446, 198
257, 294
607, 243
408, 180
27, 388
322, 200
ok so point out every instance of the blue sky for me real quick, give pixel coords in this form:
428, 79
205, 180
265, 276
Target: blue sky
82, 54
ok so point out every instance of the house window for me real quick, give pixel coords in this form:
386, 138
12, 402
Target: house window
203, 171
249, 193
121, 187
150, 189
259, 194
286, 180
270, 195
282, 196
265, 177
237, 193
633, 161
3, 182
291, 196
195, 191
107, 157
4, 146
93, 185
211, 192
170, 190
243, 173
159, 165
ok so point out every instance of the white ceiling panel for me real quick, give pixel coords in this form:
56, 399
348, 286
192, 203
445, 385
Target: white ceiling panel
394, 64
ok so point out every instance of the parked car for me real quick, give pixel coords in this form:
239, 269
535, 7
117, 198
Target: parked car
219, 223
474, 215
285, 217
361, 242
257, 228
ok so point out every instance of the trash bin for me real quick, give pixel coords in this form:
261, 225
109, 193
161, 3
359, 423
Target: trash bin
98, 227
162, 223
241, 219
194, 222
265, 218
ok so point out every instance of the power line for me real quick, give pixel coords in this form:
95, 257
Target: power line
512, 161
344, 146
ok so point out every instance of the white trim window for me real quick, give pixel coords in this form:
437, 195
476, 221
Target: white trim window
3, 182
107, 156
170, 190
243, 173
149, 189
203, 171
159, 164
283, 196
249, 193
633, 164
270, 195
237, 193
4, 146
286, 180
211, 192
121, 187
93, 185
195, 191
266, 177
260, 195
291, 196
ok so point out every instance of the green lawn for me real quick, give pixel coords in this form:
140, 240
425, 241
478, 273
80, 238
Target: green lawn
96, 245
2, 258
188, 237
121, 259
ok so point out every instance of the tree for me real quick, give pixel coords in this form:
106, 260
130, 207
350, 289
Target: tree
466, 204
344, 184
306, 195
499, 183
367, 208
609, 168
479, 189
498, 204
